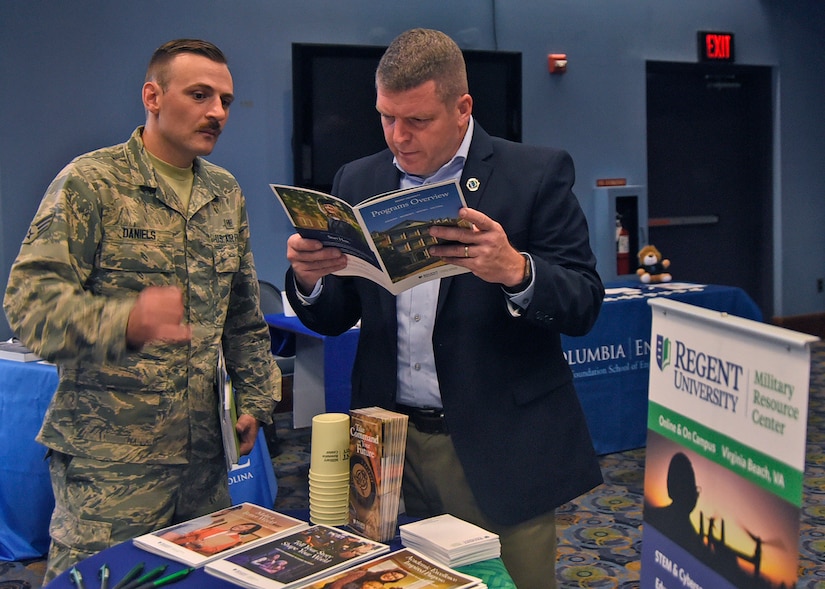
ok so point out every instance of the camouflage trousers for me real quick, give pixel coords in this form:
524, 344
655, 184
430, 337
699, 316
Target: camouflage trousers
99, 504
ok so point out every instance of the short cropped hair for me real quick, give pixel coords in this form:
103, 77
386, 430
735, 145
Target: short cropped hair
418, 56
158, 70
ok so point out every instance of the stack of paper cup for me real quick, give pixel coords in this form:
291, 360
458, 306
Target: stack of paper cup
329, 469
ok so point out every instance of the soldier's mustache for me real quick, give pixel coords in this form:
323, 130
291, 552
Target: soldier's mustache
214, 127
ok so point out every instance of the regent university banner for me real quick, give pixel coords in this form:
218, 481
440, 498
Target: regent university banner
727, 417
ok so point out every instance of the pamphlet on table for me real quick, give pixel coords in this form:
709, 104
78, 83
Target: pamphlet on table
451, 540
404, 568
386, 237
296, 560
228, 531
378, 438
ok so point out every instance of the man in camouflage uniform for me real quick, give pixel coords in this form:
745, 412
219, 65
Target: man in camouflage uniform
136, 268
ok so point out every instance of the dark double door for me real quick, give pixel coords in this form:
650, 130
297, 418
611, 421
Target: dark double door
709, 161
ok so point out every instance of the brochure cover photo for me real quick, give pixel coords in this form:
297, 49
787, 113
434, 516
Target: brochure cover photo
206, 538
403, 569
297, 559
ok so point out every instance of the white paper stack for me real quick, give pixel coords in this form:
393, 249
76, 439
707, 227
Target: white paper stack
14, 349
450, 540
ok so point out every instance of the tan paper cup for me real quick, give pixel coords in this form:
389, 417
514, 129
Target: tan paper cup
325, 493
321, 503
328, 494
330, 445
334, 479
329, 488
329, 513
325, 506
329, 521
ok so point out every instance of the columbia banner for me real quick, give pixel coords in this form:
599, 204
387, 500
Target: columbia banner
727, 419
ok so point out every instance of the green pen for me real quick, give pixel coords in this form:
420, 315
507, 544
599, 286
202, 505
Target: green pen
103, 575
176, 576
130, 576
76, 578
146, 577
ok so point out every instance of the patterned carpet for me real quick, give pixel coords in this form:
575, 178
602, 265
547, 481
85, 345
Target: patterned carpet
599, 533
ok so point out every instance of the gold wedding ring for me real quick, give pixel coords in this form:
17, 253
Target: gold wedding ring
466, 251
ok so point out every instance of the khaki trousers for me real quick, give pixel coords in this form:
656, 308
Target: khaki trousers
434, 483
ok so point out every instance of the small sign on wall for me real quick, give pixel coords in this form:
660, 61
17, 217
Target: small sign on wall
715, 46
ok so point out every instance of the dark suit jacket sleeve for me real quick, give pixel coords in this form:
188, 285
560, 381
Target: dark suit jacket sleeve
529, 190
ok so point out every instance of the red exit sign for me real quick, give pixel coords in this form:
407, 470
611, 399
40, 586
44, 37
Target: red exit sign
715, 46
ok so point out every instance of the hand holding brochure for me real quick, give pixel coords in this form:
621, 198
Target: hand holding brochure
385, 238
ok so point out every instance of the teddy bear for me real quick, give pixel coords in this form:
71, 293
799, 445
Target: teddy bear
652, 267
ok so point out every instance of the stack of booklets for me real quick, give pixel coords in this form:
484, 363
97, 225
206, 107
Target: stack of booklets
296, 560
219, 534
451, 540
14, 349
378, 438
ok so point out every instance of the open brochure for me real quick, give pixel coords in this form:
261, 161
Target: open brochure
228, 413
203, 539
296, 560
385, 238
404, 568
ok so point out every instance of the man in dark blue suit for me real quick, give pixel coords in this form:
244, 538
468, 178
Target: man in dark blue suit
496, 435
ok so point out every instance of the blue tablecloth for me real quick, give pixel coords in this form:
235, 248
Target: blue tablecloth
610, 364
26, 499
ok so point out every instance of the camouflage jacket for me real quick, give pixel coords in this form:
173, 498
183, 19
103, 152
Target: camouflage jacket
108, 227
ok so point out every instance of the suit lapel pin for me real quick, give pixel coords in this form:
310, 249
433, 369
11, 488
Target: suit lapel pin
473, 184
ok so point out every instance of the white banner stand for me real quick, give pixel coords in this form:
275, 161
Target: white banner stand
727, 421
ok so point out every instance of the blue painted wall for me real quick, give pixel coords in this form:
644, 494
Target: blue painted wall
72, 72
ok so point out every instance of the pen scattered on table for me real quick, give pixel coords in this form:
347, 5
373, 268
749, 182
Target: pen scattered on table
176, 576
103, 575
76, 578
146, 577
130, 576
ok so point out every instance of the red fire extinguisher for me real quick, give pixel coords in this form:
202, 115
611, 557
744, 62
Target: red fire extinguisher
622, 248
